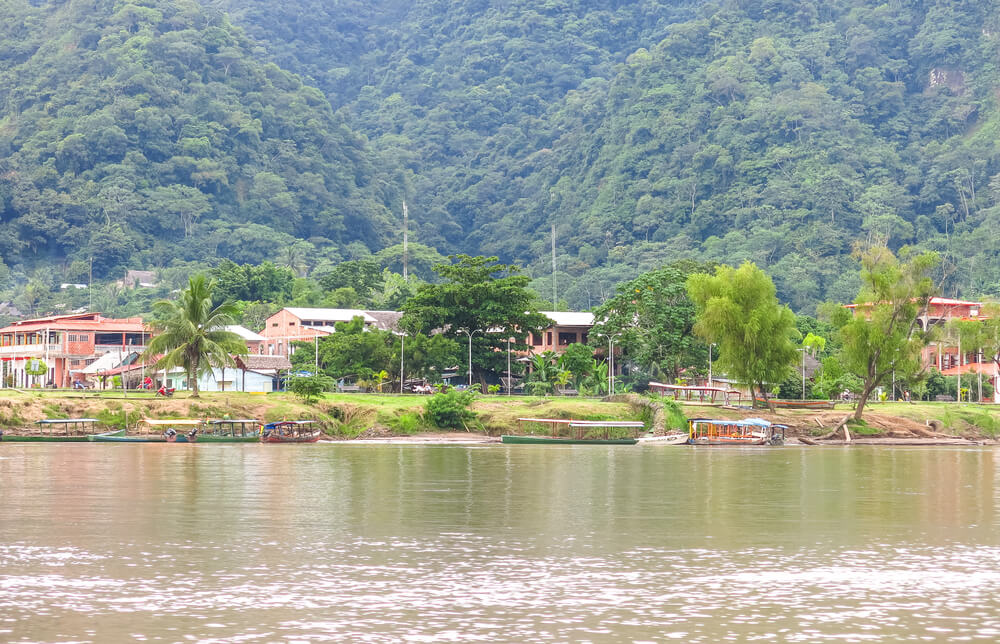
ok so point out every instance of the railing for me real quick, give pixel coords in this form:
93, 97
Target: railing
33, 350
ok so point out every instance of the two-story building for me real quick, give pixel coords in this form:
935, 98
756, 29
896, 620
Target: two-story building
66, 344
568, 327
293, 324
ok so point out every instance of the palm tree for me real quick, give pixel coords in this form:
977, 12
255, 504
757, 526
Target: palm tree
193, 335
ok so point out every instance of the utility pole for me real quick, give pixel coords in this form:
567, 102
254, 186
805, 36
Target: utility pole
554, 305
406, 223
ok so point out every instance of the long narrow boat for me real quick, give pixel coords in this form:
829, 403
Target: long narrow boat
749, 431
35, 438
243, 430
555, 440
289, 431
578, 432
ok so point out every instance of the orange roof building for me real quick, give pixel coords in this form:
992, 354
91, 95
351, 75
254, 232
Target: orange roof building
66, 344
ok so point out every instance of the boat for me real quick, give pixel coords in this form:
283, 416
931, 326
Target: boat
510, 439
795, 404
673, 438
241, 430
36, 438
578, 432
749, 431
176, 431
289, 431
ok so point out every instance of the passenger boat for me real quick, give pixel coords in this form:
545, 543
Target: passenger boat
175, 431
242, 430
289, 431
56, 438
578, 432
749, 431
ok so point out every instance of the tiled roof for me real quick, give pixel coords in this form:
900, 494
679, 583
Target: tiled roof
256, 362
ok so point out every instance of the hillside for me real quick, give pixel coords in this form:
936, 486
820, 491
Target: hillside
171, 132
140, 133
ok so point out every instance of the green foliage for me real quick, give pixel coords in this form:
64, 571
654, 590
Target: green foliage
481, 302
190, 333
310, 388
450, 409
738, 311
882, 336
653, 317
262, 283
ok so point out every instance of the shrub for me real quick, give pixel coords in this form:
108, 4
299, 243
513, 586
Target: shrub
310, 388
450, 410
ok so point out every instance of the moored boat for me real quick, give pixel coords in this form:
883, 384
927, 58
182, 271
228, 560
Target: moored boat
289, 431
749, 431
42, 438
242, 430
578, 432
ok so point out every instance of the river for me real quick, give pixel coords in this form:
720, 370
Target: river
390, 543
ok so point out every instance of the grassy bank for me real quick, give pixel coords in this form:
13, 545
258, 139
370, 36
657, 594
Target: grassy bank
352, 415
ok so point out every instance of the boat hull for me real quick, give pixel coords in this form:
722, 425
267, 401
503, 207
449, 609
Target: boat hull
727, 441
209, 438
7, 438
312, 438
549, 440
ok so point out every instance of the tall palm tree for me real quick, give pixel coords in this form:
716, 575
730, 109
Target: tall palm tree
193, 335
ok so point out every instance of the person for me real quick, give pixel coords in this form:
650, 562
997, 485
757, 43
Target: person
147, 383
162, 391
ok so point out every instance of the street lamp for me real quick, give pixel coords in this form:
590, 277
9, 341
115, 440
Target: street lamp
712, 344
470, 334
402, 348
510, 376
611, 361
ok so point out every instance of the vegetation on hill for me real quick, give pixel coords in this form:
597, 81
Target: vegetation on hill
171, 134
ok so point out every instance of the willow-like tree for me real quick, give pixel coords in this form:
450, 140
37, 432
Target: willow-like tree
738, 310
880, 332
190, 333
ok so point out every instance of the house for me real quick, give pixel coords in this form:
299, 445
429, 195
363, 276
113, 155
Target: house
568, 327
66, 344
254, 341
252, 373
139, 279
293, 324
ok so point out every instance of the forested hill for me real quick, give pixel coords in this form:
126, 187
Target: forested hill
143, 133
779, 131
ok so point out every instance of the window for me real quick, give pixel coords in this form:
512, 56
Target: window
566, 338
291, 324
72, 338
548, 338
84, 338
274, 324
536, 340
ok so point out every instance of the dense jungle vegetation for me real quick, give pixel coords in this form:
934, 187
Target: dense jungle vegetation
170, 135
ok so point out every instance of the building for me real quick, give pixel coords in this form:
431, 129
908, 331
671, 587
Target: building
567, 328
292, 324
255, 342
66, 344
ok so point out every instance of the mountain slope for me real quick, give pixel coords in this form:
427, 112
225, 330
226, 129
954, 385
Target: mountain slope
151, 126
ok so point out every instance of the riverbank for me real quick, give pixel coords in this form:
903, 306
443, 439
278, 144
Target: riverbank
376, 417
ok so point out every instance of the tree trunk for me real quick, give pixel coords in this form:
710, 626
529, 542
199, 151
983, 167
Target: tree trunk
865, 393
193, 377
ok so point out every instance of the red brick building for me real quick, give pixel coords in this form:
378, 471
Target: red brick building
293, 324
65, 343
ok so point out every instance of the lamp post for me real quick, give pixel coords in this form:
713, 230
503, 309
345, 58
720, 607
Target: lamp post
510, 376
611, 362
711, 344
470, 334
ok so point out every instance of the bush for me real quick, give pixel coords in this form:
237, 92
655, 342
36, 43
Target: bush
450, 410
310, 388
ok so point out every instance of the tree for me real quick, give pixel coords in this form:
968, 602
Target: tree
191, 334
881, 335
737, 309
350, 351
480, 297
310, 388
578, 360
654, 318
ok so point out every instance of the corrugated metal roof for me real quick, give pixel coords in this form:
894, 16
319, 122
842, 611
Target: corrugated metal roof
570, 318
330, 315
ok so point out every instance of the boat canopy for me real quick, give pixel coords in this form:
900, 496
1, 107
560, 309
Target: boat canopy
746, 422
